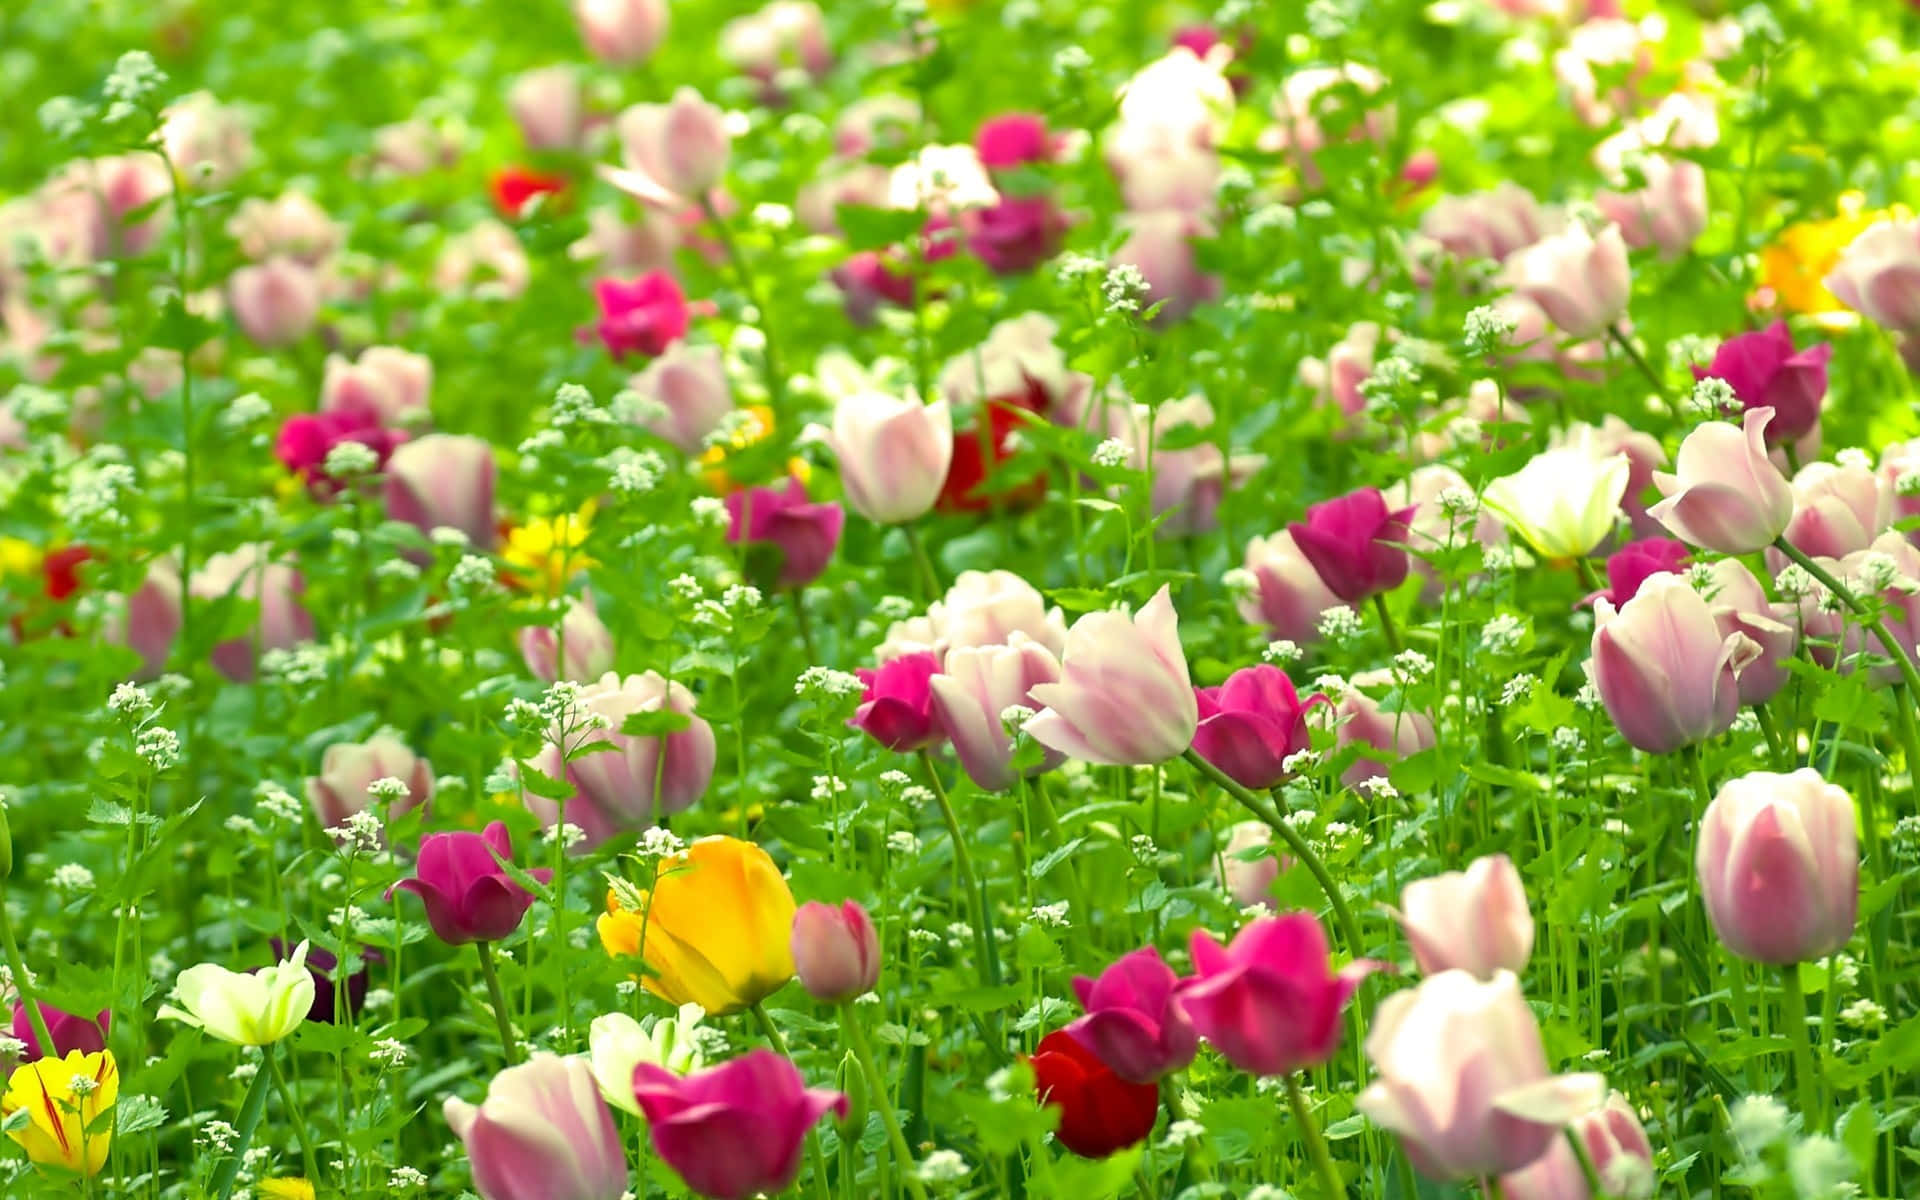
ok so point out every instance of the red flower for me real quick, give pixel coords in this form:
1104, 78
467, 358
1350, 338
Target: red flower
62, 570
513, 187
968, 469
1100, 1112
647, 314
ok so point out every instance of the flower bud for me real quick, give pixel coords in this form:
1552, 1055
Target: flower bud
836, 952
1779, 866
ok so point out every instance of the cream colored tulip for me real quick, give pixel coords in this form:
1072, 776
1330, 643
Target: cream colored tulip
616, 1044
1564, 502
247, 1009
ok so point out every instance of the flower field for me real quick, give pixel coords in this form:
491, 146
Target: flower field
918, 599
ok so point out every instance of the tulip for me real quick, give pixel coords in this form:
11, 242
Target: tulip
1644, 454
148, 620
1017, 234
514, 188
585, 639
290, 225
547, 106
1616, 1145
1488, 225
329, 991
245, 1008
647, 775
674, 153
1474, 920
688, 384
1268, 1001
893, 454
207, 141
1188, 483
897, 708
59, 1124
1250, 725
348, 769
542, 1133
307, 440
389, 382
443, 480
1463, 1077
1779, 866
1014, 139
1250, 880
735, 1130
1878, 275
1725, 494
275, 302
1669, 212
468, 896
71, 1034
977, 685
621, 32
1160, 246
1356, 543
1124, 696
274, 587
1765, 371
616, 1044
1888, 570
868, 278
1336, 380
879, 122
485, 262
1837, 509
1563, 502
414, 147
784, 33
646, 315
1740, 605
715, 930
1100, 1113
836, 952
1134, 1021
1395, 735
1664, 670
799, 538
1634, 563
1307, 96
986, 608
1580, 281
1289, 595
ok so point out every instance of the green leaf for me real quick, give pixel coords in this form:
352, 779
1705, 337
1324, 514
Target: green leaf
1860, 1134
181, 330
542, 784
136, 1114
1041, 868
655, 723
877, 228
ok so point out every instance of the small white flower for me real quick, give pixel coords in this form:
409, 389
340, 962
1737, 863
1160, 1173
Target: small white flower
1124, 288
710, 510
72, 877
1051, 916
217, 1136
348, 460
1071, 60
1339, 624
902, 841
1488, 330
1183, 1131
130, 700
403, 1179
1757, 1122
1112, 453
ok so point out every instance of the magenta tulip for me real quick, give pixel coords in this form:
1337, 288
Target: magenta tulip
468, 896
836, 952
735, 1130
1134, 1020
1765, 371
1779, 866
897, 709
1268, 1001
71, 1034
542, 1133
1356, 543
1251, 723
1631, 565
643, 316
800, 535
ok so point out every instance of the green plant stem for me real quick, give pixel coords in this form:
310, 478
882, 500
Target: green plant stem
307, 1159
508, 1045
1316, 1145
1904, 664
22, 985
962, 867
779, 1045
1633, 355
929, 578
1586, 1162
1386, 622
1771, 732
1793, 1002
877, 1089
805, 624
1698, 759
1301, 850
250, 1110
769, 355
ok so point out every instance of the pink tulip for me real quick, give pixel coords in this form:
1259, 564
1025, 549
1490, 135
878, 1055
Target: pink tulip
290, 225
646, 775
582, 650
1740, 605
1269, 1001
1288, 595
836, 953
1014, 139
468, 897
1836, 511
1669, 212
987, 608
485, 262
1725, 493
1160, 246
893, 454
1124, 696
617, 244
735, 1130
1249, 880
785, 33
279, 622
1878, 275
1135, 1023
1889, 569
347, 769
1765, 371
621, 32
1779, 866
1189, 483
275, 302
1309, 97
1432, 529
1664, 670
148, 620
543, 1133
1356, 543
207, 141
897, 709
306, 440
1489, 225
444, 479
644, 315
71, 1034
1336, 380
1161, 169
1387, 735
415, 147
389, 382
1616, 1145
1462, 1078
977, 684
1017, 234
1632, 564
868, 279
1251, 723
548, 107
1580, 281
1474, 920
799, 536
688, 388
674, 153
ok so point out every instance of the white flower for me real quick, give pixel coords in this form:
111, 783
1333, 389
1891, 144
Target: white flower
247, 1009
1563, 502
943, 1166
617, 1044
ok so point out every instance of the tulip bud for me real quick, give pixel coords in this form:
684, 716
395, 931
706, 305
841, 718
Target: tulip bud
893, 453
1837, 510
1664, 670
621, 32
1250, 881
1877, 273
1140, 655
1388, 735
1779, 866
675, 152
689, 387
1580, 281
836, 952
1356, 543
1725, 493
447, 480
1740, 605
275, 302
1160, 245
1474, 920
1288, 594
546, 104
587, 641
1669, 212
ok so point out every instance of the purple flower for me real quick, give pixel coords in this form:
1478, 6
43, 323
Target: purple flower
734, 1130
1356, 543
70, 1034
1134, 1021
1765, 371
469, 898
1251, 723
801, 535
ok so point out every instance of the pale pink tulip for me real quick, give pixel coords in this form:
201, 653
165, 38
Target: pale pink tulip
893, 453
444, 479
1725, 493
1474, 920
1124, 696
1779, 866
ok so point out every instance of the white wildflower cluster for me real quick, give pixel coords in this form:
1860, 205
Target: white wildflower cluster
566, 833
825, 683
1757, 1122
1124, 288
1283, 651
133, 81
1794, 583
359, 833
449, 537
636, 472
350, 460
1517, 689
217, 1136
574, 405
742, 598
1689, 349
826, 787
658, 842
1379, 786
1489, 330
686, 588
389, 788
1876, 570
473, 576
1712, 397
158, 747
733, 429
1413, 664
1503, 634
1391, 378
1820, 1166
95, 487
406, 1179
130, 702
1568, 741
710, 510
1300, 762
63, 118
388, 1052
1071, 60
243, 411
1864, 1014
1014, 718
1112, 452
943, 1166
1050, 916
1339, 625
72, 877
1272, 218
1906, 837
396, 570
277, 802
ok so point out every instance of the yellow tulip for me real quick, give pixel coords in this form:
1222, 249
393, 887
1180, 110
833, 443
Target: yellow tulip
1795, 267
548, 548
756, 426
292, 1188
63, 1099
714, 931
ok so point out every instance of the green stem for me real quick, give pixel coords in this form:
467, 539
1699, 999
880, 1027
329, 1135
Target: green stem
962, 866
1659, 385
769, 356
307, 1158
929, 578
1866, 616
877, 1088
779, 1045
1794, 1003
1386, 622
1781, 761
509, 1045
1698, 758
22, 985
1588, 575
801, 619
250, 1110
1316, 1145
1301, 850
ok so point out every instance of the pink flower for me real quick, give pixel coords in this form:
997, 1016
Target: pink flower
305, 440
674, 153
1489, 225
735, 1130
275, 302
1356, 543
348, 769
1725, 493
1669, 212
71, 1034
1878, 275
785, 33
987, 608
647, 314
689, 384
1779, 866
548, 107
1898, 591
893, 453
1474, 920
897, 708
1836, 511
1247, 876
621, 32
798, 537
647, 775
1134, 1021
866, 280
1664, 669
1765, 371
1160, 246
1269, 1002
588, 646
1124, 696
1014, 140
977, 684
1288, 595
389, 382
273, 587
148, 620
1251, 723
1388, 735
836, 953
290, 225
1616, 1145
468, 897
1580, 281
208, 141
1336, 380
1630, 565
1740, 605
444, 479
543, 1133
1015, 235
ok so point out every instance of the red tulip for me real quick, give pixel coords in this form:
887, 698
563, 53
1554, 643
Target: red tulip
1100, 1113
